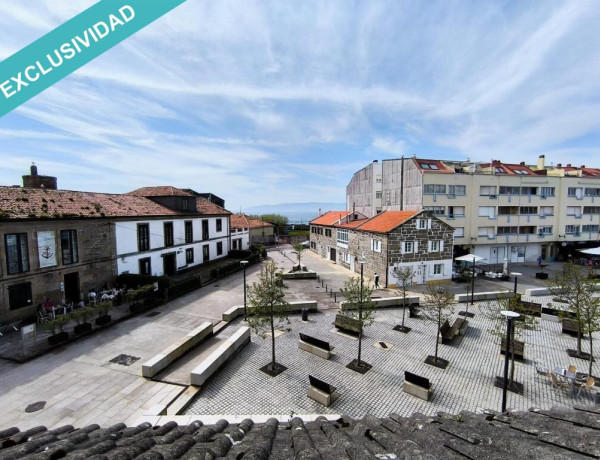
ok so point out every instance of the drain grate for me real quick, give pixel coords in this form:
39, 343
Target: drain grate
36, 406
154, 313
124, 360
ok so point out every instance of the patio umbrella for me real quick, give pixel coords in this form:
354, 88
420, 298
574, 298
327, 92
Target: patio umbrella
591, 251
505, 269
470, 258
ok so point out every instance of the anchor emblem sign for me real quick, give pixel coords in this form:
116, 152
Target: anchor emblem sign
47, 249
47, 252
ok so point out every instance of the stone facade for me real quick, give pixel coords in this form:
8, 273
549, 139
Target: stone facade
95, 264
320, 240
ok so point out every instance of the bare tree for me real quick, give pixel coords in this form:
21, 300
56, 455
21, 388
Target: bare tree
298, 248
268, 307
404, 277
359, 306
578, 291
438, 308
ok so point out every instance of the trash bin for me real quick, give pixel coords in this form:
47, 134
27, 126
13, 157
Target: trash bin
305, 314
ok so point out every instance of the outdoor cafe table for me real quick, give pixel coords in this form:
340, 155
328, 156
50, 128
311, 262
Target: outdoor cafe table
575, 379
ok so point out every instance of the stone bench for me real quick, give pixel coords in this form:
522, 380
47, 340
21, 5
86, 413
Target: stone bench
529, 308
159, 362
416, 385
233, 313
536, 292
518, 348
386, 302
447, 333
315, 346
570, 327
296, 306
299, 275
460, 325
347, 324
220, 356
479, 296
322, 392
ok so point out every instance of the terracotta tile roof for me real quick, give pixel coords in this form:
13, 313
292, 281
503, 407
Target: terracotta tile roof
239, 221
432, 166
387, 221
508, 168
162, 190
23, 203
203, 206
353, 224
330, 218
257, 223
554, 433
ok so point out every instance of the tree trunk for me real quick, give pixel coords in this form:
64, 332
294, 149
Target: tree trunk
512, 360
272, 340
437, 336
359, 343
579, 338
403, 305
591, 350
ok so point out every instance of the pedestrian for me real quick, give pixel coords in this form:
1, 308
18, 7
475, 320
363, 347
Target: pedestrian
539, 261
376, 279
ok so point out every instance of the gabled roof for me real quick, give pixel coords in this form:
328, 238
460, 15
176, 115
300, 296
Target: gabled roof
203, 206
432, 166
352, 224
244, 221
330, 218
161, 190
387, 221
32, 203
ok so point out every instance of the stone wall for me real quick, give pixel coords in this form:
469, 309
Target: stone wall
96, 265
321, 241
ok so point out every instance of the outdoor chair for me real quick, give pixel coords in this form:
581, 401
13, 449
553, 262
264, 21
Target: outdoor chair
588, 385
43, 315
541, 370
6, 327
572, 369
556, 383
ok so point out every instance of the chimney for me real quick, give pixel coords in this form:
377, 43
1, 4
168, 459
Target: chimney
541, 162
559, 165
33, 169
522, 163
582, 166
568, 165
375, 161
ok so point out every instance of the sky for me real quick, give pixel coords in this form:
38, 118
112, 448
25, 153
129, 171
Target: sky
265, 102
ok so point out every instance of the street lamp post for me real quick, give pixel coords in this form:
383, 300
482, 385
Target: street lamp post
473, 283
516, 275
360, 305
243, 263
510, 316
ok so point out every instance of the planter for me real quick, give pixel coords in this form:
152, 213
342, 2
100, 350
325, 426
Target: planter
541, 276
137, 307
82, 328
102, 320
519, 348
58, 338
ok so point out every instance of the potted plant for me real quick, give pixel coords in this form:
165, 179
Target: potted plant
103, 308
55, 326
81, 316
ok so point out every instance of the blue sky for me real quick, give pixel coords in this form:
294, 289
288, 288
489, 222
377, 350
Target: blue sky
270, 102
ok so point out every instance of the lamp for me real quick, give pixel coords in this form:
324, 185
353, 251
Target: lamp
510, 316
244, 263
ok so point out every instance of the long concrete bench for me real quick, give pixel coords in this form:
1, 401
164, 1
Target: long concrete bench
296, 306
184, 344
220, 356
480, 296
537, 292
386, 302
233, 313
299, 275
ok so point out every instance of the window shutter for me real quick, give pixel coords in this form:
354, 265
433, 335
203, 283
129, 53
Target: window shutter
441, 245
416, 245
402, 247
429, 224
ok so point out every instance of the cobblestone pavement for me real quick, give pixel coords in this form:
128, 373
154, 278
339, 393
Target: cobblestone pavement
467, 384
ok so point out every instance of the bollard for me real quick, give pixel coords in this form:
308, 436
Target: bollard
321, 282
305, 314
335, 297
330, 294
325, 287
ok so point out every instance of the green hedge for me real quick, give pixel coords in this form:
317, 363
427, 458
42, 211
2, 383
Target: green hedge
240, 254
232, 267
185, 286
132, 281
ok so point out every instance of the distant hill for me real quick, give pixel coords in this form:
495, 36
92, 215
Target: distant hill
285, 208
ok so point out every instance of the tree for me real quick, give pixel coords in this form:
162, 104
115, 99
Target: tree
360, 307
438, 308
577, 290
404, 277
298, 248
277, 220
520, 326
268, 307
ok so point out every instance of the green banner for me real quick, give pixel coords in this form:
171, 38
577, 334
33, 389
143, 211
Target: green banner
73, 44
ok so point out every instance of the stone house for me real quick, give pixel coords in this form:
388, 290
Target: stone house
390, 240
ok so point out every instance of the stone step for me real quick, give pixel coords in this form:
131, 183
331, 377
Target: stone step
183, 400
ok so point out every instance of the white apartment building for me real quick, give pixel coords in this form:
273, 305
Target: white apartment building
498, 210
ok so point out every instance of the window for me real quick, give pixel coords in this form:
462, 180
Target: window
328, 232
219, 248
508, 210
487, 211
168, 231
430, 189
485, 231
435, 210
342, 236
422, 224
17, 253
457, 189
143, 237
576, 192
592, 191
528, 190
456, 211
145, 267
499, 170
590, 228
521, 172
378, 180
509, 190
408, 247
487, 190
438, 269
378, 195
546, 210
435, 246
219, 225
19, 296
573, 210
528, 210
68, 243
545, 230
547, 191
376, 245
431, 166
189, 231
508, 230
189, 256
591, 209
205, 234
459, 232
571, 229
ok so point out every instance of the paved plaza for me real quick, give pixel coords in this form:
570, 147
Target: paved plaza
80, 385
